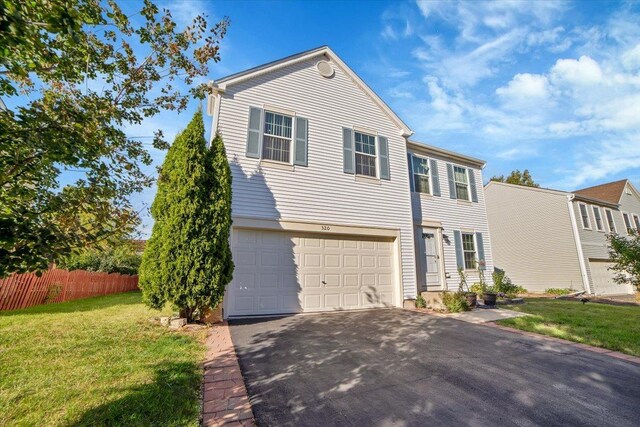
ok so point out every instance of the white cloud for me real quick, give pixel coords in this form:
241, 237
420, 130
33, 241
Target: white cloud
525, 86
631, 58
585, 71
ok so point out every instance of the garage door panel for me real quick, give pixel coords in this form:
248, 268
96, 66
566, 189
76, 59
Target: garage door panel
281, 272
332, 261
603, 279
368, 261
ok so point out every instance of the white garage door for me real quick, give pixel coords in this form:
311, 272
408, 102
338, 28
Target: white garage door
602, 279
283, 272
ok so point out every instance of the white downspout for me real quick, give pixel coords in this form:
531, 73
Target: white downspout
576, 234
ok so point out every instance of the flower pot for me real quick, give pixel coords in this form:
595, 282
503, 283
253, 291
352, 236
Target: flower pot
489, 299
471, 299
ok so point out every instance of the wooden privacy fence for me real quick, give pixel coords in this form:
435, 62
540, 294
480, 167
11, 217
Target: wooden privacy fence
26, 290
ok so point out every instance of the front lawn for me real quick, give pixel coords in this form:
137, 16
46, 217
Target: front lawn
97, 361
608, 326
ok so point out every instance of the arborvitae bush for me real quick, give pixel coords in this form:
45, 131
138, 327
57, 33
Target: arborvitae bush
187, 261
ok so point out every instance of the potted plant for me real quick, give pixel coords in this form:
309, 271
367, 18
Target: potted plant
470, 296
489, 295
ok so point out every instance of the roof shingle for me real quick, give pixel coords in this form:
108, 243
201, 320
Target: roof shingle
609, 192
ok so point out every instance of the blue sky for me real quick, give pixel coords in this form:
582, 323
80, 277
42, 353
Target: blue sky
549, 86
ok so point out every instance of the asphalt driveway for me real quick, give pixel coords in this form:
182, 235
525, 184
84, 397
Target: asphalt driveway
397, 367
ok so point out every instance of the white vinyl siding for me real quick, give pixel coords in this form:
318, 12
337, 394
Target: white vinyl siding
584, 216
320, 192
365, 154
461, 182
453, 215
526, 222
610, 222
597, 216
421, 178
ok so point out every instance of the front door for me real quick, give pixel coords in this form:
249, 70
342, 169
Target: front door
429, 256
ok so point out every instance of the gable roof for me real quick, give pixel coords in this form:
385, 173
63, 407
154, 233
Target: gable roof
426, 148
221, 84
572, 196
609, 192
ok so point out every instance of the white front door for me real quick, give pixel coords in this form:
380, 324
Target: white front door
429, 259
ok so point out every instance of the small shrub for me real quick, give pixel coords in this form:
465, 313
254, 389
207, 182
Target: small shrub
420, 301
558, 291
120, 259
455, 301
478, 289
503, 284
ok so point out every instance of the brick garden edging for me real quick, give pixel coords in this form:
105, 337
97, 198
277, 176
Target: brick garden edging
611, 353
225, 401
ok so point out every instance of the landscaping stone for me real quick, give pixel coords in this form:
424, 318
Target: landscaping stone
517, 301
164, 321
177, 323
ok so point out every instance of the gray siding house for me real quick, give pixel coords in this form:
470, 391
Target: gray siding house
324, 216
546, 238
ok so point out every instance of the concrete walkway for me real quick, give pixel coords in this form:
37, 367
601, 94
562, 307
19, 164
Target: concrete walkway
225, 400
483, 315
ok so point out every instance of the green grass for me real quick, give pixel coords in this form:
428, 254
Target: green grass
97, 361
607, 326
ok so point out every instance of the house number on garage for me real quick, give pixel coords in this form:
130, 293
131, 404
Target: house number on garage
326, 228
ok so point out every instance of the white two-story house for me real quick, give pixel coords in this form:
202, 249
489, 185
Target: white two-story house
326, 213
547, 238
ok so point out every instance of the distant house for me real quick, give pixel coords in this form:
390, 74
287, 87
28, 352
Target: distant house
546, 238
333, 207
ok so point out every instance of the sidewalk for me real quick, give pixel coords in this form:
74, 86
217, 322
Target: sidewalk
225, 399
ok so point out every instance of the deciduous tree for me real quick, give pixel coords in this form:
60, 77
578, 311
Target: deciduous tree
74, 74
518, 178
625, 254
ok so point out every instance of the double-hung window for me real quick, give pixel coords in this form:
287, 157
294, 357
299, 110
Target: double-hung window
636, 219
365, 146
598, 218
469, 251
462, 183
276, 140
420, 167
610, 221
627, 222
584, 214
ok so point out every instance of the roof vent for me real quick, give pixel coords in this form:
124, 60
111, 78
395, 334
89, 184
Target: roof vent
325, 69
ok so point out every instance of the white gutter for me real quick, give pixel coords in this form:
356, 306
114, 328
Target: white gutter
576, 235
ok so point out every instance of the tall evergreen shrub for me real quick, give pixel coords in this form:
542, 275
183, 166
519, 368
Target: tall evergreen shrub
187, 261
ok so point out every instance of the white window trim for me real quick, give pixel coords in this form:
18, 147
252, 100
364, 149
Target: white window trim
595, 219
626, 227
466, 174
588, 226
636, 223
428, 175
375, 135
615, 230
274, 110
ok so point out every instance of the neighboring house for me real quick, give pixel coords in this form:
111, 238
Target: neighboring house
322, 201
546, 238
